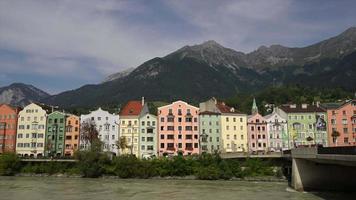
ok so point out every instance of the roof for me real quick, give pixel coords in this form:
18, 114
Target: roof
209, 113
299, 109
225, 108
131, 108
336, 105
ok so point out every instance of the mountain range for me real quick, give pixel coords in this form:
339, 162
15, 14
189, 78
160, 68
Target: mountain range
209, 69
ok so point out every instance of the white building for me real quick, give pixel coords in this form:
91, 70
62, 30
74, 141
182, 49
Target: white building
148, 135
277, 130
107, 126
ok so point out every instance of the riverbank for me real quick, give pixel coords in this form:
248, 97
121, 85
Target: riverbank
95, 164
252, 179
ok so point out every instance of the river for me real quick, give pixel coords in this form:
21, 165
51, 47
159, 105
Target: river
48, 188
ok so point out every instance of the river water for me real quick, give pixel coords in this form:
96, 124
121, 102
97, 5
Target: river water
48, 188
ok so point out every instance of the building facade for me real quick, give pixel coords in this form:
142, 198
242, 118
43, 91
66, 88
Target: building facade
257, 133
178, 129
31, 131
55, 134
210, 127
130, 126
72, 132
277, 131
8, 128
341, 120
306, 124
148, 135
233, 129
107, 127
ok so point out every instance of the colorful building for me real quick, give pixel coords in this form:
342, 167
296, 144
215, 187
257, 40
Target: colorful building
210, 126
31, 131
129, 126
257, 131
148, 135
55, 134
178, 129
8, 128
341, 123
233, 129
277, 130
72, 132
107, 127
306, 124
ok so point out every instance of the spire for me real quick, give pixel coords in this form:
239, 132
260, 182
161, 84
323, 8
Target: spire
254, 109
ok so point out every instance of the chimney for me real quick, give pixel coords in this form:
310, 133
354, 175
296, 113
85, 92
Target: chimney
143, 101
293, 106
304, 106
318, 104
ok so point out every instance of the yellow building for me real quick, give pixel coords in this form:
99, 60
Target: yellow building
31, 131
233, 129
129, 126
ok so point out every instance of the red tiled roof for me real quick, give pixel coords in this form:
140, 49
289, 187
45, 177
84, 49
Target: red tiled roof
224, 108
132, 108
299, 109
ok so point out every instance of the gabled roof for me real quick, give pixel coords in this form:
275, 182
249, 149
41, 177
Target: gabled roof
225, 108
131, 108
299, 109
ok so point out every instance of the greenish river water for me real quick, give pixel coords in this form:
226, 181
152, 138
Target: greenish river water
48, 188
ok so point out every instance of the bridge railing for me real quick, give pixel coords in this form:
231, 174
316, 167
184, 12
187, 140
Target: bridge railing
337, 150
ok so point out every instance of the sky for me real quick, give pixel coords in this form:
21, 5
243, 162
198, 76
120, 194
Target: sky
60, 45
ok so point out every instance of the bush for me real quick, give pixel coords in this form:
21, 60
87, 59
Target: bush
10, 164
208, 173
92, 164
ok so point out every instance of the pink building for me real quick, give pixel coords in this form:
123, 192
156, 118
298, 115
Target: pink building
257, 131
178, 129
341, 119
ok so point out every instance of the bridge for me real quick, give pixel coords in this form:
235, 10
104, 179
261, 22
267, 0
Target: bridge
328, 168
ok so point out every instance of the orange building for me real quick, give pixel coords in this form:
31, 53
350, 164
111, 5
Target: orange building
341, 123
72, 135
8, 128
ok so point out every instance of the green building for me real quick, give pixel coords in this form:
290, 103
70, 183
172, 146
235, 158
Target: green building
55, 134
210, 127
306, 124
210, 132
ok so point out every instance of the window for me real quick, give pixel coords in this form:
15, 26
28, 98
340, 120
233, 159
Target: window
170, 128
344, 121
195, 145
149, 139
150, 147
188, 128
170, 137
162, 136
346, 140
228, 136
162, 119
142, 147
143, 139
345, 130
188, 137
252, 128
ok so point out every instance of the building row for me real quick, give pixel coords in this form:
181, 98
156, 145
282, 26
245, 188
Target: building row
179, 127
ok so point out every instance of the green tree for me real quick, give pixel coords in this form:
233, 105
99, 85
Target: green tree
9, 164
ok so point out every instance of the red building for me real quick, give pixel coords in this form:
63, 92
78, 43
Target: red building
341, 123
8, 128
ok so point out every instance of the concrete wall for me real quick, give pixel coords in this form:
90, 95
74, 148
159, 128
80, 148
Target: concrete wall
310, 175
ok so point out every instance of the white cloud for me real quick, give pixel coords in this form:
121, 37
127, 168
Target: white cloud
93, 30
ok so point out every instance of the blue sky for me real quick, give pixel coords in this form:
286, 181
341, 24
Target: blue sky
64, 44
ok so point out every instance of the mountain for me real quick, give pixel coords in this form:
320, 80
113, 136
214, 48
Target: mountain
19, 94
118, 75
197, 72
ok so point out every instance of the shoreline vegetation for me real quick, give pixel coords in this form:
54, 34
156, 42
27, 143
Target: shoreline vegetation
92, 164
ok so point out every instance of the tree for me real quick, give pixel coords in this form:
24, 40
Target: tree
9, 164
335, 135
89, 134
122, 143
